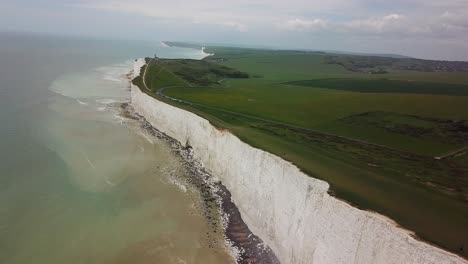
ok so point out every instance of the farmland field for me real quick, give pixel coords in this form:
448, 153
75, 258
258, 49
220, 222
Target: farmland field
376, 138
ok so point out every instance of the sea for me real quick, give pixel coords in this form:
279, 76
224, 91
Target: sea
79, 181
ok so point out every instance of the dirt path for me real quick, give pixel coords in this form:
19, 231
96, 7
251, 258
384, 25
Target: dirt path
453, 153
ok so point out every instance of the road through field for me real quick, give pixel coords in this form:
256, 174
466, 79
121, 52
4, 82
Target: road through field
161, 93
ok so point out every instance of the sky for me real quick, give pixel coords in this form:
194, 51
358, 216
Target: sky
430, 29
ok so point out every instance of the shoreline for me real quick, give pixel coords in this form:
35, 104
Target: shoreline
202, 51
240, 242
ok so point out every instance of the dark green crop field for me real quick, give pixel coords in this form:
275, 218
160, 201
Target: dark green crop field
380, 140
386, 86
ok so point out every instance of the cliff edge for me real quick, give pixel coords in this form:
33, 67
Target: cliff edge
290, 211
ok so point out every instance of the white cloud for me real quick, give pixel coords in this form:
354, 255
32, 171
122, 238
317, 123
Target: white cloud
303, 25
239, 27
436, 26
240, 15
175, 12
377, 25
455, 19
229, 24
420, 21
421, 17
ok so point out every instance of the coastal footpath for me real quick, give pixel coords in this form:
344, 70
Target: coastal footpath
289, 210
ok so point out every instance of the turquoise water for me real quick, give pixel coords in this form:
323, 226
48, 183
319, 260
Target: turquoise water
79, 182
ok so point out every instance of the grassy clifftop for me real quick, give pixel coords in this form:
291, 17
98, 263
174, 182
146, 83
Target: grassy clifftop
201, 72
176, 72
373, 138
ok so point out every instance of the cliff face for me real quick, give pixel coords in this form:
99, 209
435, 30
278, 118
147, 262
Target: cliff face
287, 209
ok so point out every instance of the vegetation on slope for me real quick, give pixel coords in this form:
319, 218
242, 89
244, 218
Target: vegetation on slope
200, 72
376, 149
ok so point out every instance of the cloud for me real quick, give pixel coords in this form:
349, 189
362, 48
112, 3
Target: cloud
303, 25
239, 27
228, 24
436, 26
377, 25
418, 17
259, 22
175, 12
240, 15
454, 19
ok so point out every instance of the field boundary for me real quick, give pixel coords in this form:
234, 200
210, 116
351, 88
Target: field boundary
161, 90
452, 153
368, 174
161, 93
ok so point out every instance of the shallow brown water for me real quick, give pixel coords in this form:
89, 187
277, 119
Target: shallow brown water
82, 184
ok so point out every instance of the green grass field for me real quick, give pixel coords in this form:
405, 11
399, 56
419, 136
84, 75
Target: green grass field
386, 86
372, 137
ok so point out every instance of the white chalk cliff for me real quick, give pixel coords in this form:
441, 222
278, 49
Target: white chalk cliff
290, 211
